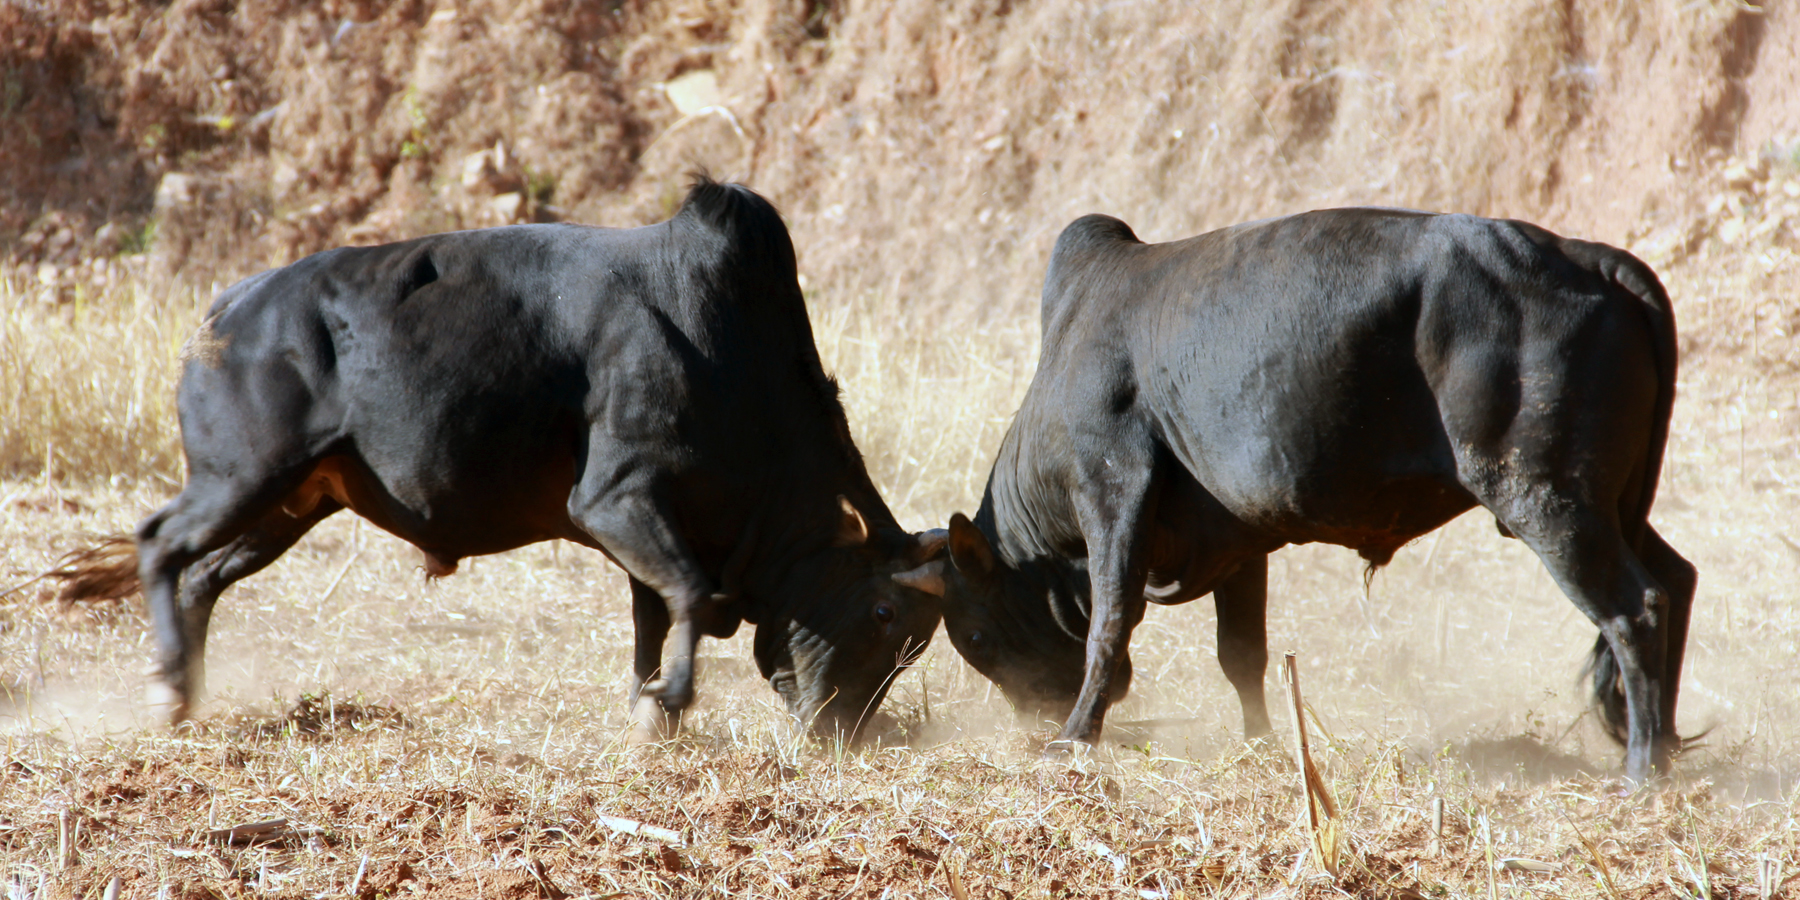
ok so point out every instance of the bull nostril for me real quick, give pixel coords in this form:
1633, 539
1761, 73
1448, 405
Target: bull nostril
884, 613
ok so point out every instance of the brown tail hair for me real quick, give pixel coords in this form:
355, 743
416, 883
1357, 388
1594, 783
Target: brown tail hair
106, 571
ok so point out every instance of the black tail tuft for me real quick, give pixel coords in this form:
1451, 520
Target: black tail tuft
107, 571
1609, 699
1609, 693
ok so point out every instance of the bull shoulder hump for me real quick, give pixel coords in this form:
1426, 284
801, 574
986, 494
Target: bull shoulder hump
1076, 260
750, 222
1090, 233
205, 345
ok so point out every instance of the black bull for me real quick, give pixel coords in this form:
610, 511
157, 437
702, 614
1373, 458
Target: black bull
653, 393
1353, 376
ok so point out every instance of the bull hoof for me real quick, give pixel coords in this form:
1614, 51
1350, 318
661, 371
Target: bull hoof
1265, 744
168, 702
1066, 750
650, 724
881, 730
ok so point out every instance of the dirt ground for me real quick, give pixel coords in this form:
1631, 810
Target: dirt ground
460, 738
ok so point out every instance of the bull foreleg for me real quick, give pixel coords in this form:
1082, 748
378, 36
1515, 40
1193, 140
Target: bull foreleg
650, 620
625, 516
1114, 508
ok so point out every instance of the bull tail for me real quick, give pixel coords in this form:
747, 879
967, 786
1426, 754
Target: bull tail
1635, 278
1602, 670
107, 571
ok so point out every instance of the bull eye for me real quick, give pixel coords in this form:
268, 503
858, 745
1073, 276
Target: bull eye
884, 613
976, 640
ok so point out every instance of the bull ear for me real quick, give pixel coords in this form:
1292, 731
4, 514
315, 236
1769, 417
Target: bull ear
928, 578
969, 548
853, 530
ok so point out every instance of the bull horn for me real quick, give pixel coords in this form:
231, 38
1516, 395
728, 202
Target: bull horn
928, 578
853, 530
931, 543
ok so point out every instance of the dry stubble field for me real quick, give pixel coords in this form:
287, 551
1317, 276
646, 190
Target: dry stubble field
461, 738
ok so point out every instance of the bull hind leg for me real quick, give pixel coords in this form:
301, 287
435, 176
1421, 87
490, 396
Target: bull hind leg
1680, 578
1589, 559
211, 514
1242, 604
246, 555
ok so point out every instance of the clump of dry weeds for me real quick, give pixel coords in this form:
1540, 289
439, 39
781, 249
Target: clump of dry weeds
87, 388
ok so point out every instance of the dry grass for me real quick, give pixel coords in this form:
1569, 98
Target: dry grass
461, 738
456, 810
87, 382
928, 404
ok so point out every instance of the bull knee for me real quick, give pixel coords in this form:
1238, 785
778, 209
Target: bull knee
674, 692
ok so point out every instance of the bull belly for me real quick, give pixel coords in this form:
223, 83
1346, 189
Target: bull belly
479, 517
1375, 517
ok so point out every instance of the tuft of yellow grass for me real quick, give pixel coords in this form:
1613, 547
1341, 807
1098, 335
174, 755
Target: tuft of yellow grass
87, 382
928, 403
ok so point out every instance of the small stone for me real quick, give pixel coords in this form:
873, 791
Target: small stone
284, 179
507, 205
694, 91
108, 238
175, 190
1731, 230
1767, 226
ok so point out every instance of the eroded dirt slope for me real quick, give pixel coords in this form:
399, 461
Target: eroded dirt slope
925, 152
